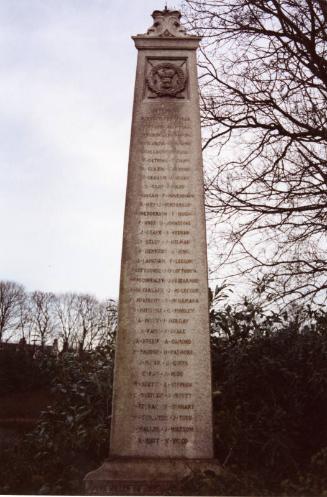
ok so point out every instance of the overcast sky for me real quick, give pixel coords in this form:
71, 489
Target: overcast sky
66, 88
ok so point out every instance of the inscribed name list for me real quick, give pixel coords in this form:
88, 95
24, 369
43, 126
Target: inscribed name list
164, 311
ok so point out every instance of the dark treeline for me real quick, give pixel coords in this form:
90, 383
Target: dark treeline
76, 321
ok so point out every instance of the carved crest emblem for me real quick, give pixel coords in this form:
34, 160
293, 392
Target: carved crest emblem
166, 79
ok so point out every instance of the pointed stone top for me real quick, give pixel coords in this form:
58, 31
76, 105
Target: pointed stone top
166, 24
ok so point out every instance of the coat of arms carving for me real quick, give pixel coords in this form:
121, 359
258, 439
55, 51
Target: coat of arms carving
166, 79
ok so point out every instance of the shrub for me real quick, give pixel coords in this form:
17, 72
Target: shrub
270, 393
72, 434
270, 411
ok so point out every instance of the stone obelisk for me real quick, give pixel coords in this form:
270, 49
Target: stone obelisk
162, 419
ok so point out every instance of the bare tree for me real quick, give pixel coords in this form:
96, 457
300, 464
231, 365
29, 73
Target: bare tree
66, 307
12, 296
107, 321
44, 322
84, 322
263, 73
25, 319
79, 320
88, 330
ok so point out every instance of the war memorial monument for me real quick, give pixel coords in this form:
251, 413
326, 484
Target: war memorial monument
161, 426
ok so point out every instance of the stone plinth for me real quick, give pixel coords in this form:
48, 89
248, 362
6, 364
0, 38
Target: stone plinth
162, 411
135, 476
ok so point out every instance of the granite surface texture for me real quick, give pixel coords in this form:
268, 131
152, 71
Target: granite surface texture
162, 386
162, 404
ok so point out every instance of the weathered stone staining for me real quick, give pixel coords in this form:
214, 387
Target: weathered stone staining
162, 386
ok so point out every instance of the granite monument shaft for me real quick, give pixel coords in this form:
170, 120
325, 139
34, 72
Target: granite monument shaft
162, 381
162, 393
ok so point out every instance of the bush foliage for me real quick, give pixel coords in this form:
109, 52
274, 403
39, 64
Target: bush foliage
72, 434
270, 396
270, 410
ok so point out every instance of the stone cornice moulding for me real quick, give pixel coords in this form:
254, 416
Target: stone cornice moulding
143, 42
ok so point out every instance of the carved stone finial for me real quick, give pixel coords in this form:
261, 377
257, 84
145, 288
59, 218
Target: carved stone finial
166, 24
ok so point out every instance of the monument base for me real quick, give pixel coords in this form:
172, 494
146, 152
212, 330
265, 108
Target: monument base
148, 476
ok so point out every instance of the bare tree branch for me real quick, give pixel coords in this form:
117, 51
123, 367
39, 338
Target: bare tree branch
263, 68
